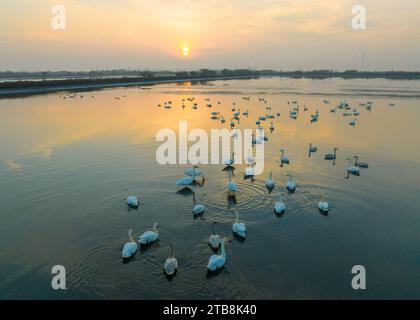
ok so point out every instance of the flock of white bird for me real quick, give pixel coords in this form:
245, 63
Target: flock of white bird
216, 242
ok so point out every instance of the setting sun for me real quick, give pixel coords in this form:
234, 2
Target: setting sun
185, 51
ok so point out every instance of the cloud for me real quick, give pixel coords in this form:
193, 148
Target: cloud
150, 33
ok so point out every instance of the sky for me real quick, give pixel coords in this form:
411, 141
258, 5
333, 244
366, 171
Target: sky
193, 34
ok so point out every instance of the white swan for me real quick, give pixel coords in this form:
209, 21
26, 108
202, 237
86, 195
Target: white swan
235, 133
239, 228
133, 202
250, 159
352, 169
194, 171
283, 158
360, 164
197, 208
324, 206
171, 264
149, 236
269, 183
279, 207
261, 133
215, 240
331, 156
312, 149
230, 161
130, 247
232, 187
249, 172
217, 262
187, 181
315, 116
290, 185
256, 140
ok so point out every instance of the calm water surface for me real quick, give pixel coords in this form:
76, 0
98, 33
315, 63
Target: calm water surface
65, 165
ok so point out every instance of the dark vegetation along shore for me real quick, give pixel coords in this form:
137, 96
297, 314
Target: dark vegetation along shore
28, 83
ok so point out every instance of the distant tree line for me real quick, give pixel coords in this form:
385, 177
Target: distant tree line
122, 76
124, 73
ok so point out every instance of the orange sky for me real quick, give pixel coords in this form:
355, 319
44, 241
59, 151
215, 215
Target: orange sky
282, 34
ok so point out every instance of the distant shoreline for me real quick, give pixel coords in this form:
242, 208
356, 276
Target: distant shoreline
79, 81
71, 85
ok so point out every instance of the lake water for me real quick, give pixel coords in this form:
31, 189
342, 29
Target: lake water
65, 165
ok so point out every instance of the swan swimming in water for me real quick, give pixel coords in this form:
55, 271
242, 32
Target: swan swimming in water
283, 158
133, 202
239, 228
256, 140
312, 149
171, 264
232, 187
352, 169
235, 133
360, 164
215, 240
279, 207
187, 181
149, 236
197, 208
249, 172
290, 185
269, 183
250, 159
217, 262
230, 162
331, 156
194, 171
130, 247
324, 206
315, 116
